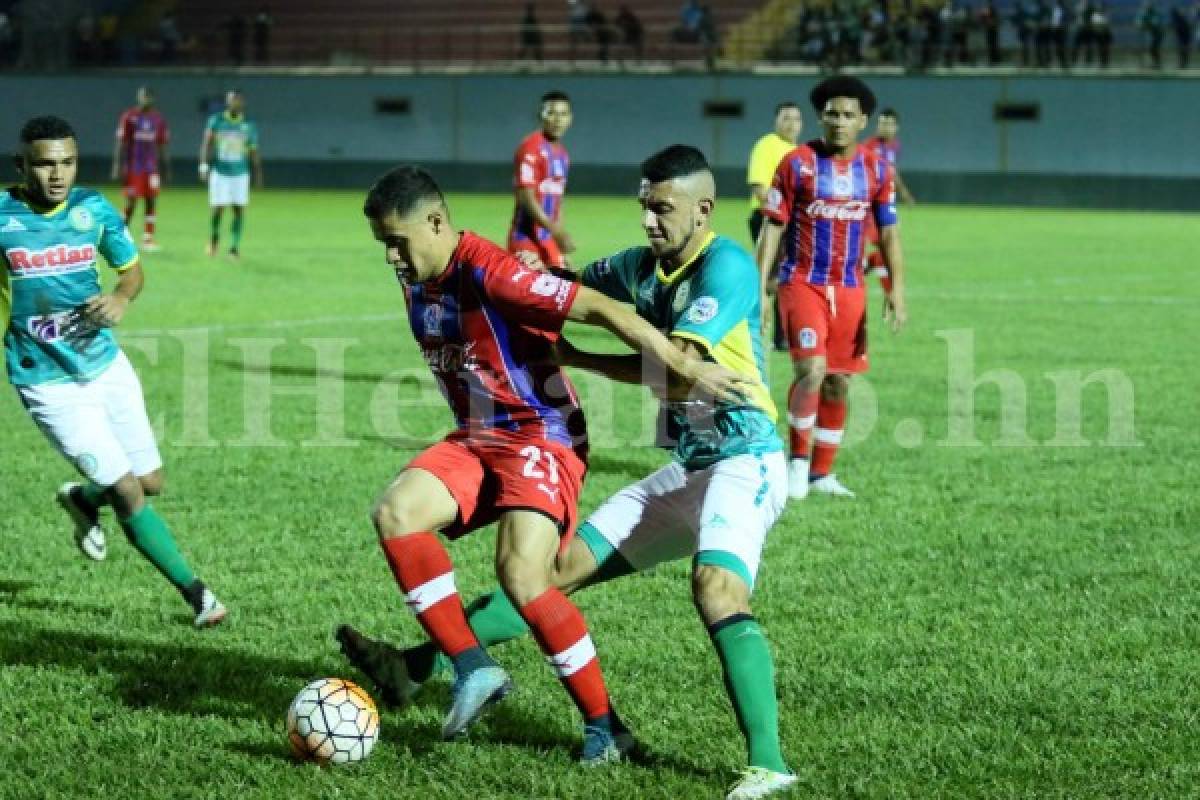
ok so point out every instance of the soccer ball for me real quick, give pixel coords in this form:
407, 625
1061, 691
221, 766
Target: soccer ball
332, 721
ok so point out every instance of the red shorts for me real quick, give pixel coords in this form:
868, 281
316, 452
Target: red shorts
828, 321
506, 472
546, 250
145, 184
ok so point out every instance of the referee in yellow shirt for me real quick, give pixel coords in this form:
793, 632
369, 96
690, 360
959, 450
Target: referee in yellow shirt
764, 158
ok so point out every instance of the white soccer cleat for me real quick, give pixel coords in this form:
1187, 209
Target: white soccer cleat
209, 610
830, 485
798, 478
760, 782
88, 533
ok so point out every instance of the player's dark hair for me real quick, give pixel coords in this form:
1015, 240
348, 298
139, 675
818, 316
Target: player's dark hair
46, 128
401, 190
843, 86
555, 96
676, 161
890, 112
786, 104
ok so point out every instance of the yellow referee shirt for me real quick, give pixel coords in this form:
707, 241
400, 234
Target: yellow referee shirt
764, 158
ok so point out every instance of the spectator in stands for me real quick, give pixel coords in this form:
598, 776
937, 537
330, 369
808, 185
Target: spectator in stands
8, 40
1182, 24
601, 32
946, 32
960, 34
690, 17
931, 35
902, 39
530, 35
87, 46
263, 22
1023, 22
1042, 37
989, 23
1059, 22
106, 31
710, 39
235, 26
1083, 44
632, 34
1150, 21
1101, 32
577, 23
169, 37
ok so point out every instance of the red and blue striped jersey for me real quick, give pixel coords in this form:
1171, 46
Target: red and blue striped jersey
824, 203
485, 327
541, 165
141, 134
887, 149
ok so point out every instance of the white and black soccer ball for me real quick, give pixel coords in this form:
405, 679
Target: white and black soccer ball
332, 721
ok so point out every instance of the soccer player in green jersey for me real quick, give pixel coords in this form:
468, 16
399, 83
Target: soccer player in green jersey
63, 360
228, 151
718, 499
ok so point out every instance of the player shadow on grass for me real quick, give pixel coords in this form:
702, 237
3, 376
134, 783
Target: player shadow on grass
184, 679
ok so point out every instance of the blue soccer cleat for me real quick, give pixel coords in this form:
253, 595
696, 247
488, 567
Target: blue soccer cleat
605, 742
474, 693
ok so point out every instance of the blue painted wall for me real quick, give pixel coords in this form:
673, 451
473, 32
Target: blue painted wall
1089, 126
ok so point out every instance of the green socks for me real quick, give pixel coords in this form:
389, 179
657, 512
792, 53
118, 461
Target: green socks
214, 227
152, 538
236, 228
494, 620
750, 681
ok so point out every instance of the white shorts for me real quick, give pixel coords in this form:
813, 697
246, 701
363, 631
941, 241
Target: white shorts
100, 426
228, 190
721, 514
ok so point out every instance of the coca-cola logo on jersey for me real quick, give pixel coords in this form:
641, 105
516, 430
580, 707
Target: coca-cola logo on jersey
849, 211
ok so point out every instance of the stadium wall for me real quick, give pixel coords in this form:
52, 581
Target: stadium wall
1089, 136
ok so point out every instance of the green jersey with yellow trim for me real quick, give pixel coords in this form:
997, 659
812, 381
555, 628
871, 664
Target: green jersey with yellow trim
233, 138
712, 300
50, 267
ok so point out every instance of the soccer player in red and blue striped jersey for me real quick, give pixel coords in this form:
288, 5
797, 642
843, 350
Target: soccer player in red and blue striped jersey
824, 198
540, 168
485, 324
140, 160
886, 146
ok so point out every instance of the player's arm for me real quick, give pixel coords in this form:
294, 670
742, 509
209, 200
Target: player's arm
527, 200
256, 164
118, 152
107, 310
776, 208
895, 310
593, 308
630, 367
206, 143
902, 189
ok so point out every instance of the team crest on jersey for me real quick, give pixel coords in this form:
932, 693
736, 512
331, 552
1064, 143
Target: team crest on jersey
774, 199
808, 338
81, 219
681, 296
704, 309
432, 319
843, 186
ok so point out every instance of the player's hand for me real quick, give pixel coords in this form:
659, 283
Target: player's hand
895, 312
563, 240
102, 311
713, 380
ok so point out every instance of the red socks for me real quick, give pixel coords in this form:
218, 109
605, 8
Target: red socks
802, 414
562, 634
831, 420
422, 568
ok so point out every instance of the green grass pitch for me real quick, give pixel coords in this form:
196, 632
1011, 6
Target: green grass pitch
1009, 610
